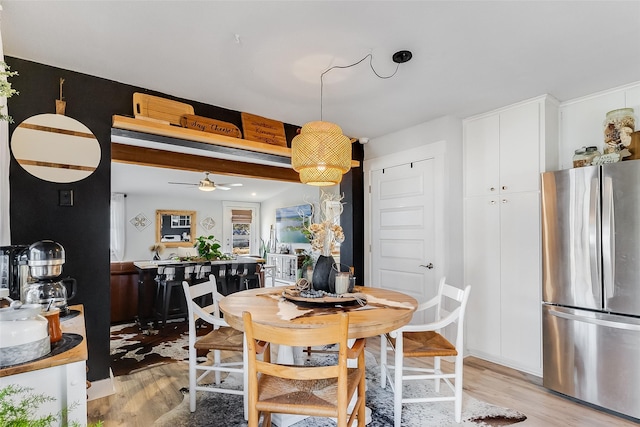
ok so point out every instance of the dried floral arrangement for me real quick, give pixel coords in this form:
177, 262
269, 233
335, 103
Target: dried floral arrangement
157, 248
325, 234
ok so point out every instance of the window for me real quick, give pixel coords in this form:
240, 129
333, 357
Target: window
241, 239
241, 225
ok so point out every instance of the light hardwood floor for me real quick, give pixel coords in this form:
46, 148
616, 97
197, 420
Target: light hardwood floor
145, 395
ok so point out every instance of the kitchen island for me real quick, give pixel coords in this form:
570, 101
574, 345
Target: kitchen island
61, 375
231, 276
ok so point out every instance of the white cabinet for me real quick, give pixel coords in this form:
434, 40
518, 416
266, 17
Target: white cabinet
502, 258
482, 272
482, 155
66, 384
286, 267
502, 150
520, 280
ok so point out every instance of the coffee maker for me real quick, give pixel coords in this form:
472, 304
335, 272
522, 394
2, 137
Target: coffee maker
14, 269
46, 258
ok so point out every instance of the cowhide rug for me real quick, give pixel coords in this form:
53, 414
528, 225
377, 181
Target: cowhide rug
132, 349
217, 410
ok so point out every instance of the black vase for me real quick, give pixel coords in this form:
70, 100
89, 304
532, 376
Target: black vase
322, 277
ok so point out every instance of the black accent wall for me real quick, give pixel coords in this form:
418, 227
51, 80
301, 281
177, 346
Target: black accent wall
352, 219
83, 229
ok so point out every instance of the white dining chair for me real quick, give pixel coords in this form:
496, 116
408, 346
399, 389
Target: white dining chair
221, 338
426, 341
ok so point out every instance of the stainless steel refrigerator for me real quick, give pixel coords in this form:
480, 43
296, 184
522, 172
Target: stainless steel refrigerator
591, 284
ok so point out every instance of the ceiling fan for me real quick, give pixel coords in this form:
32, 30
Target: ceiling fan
206, 184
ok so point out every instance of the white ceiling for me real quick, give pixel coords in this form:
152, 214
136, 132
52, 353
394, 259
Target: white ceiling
266, 57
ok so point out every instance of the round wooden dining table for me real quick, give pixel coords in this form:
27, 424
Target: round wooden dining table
385, 311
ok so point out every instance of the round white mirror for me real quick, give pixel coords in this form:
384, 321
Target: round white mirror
55, 148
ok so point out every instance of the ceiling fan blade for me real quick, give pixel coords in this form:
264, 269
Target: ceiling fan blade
227, 186
181, 183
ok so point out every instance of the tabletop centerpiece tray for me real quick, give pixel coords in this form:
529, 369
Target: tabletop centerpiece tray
294, 295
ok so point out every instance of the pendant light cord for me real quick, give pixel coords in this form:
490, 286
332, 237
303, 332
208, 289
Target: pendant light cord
370, 56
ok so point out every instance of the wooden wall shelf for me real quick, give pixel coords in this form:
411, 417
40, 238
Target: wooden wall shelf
172, 135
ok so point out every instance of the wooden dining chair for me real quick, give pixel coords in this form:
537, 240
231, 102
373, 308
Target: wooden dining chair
426, 341
319, 391
221, 338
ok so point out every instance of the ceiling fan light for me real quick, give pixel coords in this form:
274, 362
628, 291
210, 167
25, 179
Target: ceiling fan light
321, 154
206, 185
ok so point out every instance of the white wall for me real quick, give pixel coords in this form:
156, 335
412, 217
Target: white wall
306, 193
138, 242
448, 129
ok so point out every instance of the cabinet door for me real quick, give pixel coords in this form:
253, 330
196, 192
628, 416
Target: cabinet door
481, 156
520, 280
482, 272
65, 384
520, 148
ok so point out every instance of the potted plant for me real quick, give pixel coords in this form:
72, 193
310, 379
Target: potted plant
6, 91
19, 405
209, 248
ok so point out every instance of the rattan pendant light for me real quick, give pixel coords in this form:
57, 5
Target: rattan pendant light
321, 154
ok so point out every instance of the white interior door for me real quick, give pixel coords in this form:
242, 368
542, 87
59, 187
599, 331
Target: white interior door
250, 236
406, 205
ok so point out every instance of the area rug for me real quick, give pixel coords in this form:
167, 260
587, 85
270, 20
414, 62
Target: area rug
217, 410
133, 349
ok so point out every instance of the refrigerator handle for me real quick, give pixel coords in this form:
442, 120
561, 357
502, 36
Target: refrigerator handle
595, 321
608, 236
594, 235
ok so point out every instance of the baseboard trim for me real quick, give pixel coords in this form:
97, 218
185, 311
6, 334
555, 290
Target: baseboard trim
102, 388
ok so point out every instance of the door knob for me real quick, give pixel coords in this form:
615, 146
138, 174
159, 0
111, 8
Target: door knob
429, 266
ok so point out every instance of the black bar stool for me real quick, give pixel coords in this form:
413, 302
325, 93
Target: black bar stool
224, 271
233, 276
249, 277
220, 282
170, 300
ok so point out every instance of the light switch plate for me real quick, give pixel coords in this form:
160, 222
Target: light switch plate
65, 197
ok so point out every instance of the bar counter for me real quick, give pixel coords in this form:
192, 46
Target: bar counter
145, 265
150, 277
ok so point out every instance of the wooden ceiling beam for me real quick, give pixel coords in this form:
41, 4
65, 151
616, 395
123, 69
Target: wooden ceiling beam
143, 156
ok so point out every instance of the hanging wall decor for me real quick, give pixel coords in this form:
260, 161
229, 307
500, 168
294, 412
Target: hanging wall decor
208, 223
140, 221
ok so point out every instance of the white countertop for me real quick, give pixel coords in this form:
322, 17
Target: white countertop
155, 263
